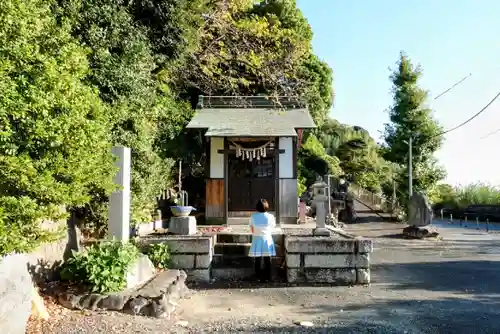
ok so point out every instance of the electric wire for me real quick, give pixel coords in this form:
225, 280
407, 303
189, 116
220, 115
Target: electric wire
491, 134
455, 85
471, 118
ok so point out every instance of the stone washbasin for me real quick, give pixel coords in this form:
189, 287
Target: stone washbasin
181, 211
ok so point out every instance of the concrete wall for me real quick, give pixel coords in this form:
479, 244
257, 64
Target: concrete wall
328, 260
193, 254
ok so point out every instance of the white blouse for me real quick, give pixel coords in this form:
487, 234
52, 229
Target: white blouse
263, 224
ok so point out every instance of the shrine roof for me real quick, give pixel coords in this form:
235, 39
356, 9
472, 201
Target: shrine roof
251, 117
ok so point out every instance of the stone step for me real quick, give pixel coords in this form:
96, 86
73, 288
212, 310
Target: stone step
241, 238
238, 220
221, 248
232, 261
240, 249
232, 274
239, 261
245, 273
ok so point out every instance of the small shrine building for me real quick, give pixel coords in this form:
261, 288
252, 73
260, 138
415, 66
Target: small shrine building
251, 145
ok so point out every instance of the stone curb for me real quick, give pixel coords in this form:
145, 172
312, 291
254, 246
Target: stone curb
156, 298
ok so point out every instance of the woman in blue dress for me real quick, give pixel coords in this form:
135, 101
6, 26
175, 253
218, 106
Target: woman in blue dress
262, 224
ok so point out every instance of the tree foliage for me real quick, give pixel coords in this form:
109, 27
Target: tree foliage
358, 154
54, 143
410, 116
141, 107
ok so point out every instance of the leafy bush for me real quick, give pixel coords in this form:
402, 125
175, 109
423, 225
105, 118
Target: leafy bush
20, 230
54, 142
159, 254
462, 196
102, 267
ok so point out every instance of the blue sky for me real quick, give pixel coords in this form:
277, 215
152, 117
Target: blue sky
361, 40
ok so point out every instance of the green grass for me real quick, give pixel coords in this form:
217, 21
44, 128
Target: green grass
476, 193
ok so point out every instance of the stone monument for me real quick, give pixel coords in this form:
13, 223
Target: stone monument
419, 218
319, 200
119, 201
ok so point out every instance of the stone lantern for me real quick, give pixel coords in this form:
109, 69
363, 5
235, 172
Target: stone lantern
319, 200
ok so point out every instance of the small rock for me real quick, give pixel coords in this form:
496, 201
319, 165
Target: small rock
306, 324
182, 323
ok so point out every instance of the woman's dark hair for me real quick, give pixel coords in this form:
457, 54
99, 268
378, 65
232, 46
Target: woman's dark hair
262, 205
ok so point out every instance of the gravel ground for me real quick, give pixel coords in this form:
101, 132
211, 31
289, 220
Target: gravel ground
431, 286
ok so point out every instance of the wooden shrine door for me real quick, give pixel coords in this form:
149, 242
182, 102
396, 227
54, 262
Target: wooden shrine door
249, 181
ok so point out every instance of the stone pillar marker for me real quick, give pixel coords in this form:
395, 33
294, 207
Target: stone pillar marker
320, 198
119, 201
302, 212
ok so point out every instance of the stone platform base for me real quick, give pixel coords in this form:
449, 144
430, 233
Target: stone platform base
335, 276
420, 232
303, 258
157, 298
183, 225
337, 260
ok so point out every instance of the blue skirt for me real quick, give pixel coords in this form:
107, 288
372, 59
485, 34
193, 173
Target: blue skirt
262, 246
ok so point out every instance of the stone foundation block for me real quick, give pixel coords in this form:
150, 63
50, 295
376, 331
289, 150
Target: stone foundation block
182, 225
198, 275
182, 261
365, 245
186, 245
363, 276
319, 245
336, 261
323, 275
203, 261
232, 273
292, 260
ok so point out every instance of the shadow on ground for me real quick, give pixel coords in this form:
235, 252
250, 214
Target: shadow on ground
466, 277
451, 315
247, 284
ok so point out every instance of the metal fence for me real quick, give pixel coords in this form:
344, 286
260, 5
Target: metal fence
372, 200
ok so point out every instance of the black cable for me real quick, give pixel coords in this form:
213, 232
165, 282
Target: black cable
455, 85
491, 134
471, 118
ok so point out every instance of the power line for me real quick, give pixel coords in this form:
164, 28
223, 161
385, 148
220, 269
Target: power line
455, 85
471, 118
491, 134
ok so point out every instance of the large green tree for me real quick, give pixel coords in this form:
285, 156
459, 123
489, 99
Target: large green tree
54, 138
126, 67
410, 116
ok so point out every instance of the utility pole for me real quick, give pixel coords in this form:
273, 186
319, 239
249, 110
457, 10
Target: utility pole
410, 167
